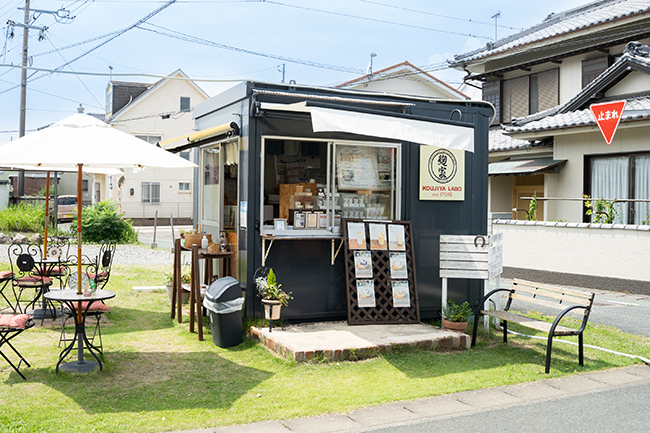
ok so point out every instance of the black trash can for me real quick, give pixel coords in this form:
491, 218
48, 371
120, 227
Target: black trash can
223, 300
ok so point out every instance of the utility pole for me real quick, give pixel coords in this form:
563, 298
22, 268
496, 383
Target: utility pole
61, 16
23, 94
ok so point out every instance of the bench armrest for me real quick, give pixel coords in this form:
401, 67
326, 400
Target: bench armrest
564, 313
488, 296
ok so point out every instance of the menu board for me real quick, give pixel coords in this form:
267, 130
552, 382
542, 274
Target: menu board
364, 167
357, 236
381, 284
396, 238
378, 237
401, 298
366, 293
398, 267
362, 264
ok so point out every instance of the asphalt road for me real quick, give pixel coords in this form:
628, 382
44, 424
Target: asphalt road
623, 409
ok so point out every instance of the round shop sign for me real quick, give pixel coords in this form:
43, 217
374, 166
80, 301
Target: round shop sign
442, 166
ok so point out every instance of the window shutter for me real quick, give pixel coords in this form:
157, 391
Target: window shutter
548, 85
515, 98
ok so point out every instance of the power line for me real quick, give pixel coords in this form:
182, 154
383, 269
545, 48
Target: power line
119, 33
438, 15
188, 38
376, 20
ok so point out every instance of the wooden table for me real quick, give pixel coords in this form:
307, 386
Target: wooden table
196, 306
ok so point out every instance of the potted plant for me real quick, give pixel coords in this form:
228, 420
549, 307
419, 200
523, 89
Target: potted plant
185, 279
455, 317
273, 297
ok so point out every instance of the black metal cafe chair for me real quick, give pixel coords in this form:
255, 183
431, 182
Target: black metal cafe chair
26, 261
99, 271
12, 324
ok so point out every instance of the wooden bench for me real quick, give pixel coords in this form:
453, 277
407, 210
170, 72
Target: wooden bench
565, 300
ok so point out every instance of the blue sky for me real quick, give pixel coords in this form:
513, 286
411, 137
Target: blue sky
319, 43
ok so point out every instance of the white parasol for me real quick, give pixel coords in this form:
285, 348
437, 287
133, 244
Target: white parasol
83, 143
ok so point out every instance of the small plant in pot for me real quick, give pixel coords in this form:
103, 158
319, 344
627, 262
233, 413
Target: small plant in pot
455, 317
273, 297
185, 279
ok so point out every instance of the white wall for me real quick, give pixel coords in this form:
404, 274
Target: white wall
618, 251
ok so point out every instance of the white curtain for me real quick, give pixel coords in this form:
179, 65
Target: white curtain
642, 189
610, 180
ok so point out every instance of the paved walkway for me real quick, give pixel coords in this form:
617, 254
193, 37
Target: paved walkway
449, 405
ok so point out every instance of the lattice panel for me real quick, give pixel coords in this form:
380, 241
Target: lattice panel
384, 311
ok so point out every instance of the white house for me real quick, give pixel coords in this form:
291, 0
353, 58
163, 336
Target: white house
404, 79
154, 112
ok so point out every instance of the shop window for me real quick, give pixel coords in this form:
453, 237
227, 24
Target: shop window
150, 193
623, 177
307, 181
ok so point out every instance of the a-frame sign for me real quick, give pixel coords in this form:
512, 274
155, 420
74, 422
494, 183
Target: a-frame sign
608, 115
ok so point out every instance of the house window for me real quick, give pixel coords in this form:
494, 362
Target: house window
492, 94
150, 193
151, 139
623, 177
183, 186
185, 103
84, 185
593, 68
529, 94
185, 155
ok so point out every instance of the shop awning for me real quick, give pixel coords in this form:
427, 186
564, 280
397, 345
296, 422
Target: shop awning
525, 166
192, 139
393, 127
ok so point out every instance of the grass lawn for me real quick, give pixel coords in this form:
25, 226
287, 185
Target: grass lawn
159, 377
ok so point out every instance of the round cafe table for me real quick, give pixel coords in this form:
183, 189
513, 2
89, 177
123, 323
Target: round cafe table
80, 341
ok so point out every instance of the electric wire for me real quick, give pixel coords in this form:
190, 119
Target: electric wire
119, 33
376, 20
76, 75
439, 15
188, 38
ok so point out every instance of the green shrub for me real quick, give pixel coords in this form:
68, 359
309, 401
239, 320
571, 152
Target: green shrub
22, 218
101, 222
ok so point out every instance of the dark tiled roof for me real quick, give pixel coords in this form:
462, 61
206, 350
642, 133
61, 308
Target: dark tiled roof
557, 24
576, 112
635, 109
124, 93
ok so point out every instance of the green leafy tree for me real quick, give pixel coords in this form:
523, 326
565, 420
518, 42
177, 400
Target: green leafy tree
101, 222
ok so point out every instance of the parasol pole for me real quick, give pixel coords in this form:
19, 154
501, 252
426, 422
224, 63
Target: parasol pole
79, 197
47, 211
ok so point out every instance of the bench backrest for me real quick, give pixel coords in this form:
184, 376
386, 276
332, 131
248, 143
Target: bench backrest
546, 295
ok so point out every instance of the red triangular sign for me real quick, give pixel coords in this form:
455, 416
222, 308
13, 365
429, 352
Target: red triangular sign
608, 115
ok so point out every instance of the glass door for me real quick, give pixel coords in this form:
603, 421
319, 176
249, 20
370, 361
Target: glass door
212, 194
